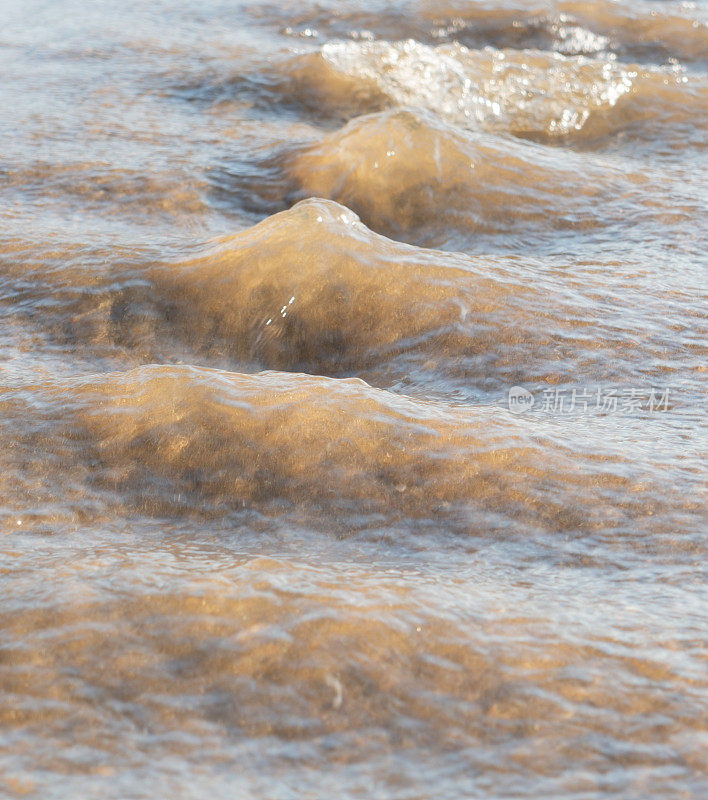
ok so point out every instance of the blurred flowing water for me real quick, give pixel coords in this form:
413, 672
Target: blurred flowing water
352, 399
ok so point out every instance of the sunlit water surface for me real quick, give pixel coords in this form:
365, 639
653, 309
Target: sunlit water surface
269, 525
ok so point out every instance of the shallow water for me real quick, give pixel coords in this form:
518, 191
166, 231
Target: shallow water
277, 288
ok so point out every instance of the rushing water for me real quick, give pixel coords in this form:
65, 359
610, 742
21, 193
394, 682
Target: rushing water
352, 399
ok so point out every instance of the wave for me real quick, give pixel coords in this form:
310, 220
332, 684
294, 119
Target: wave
186, 440
312, 289
648, 31
528, 93
276, 655
413, 177
94, 187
